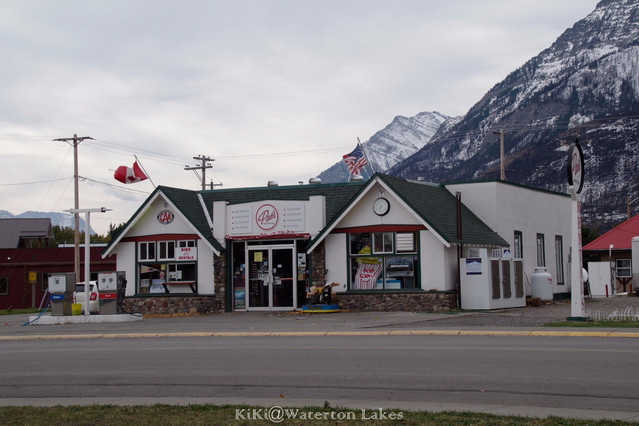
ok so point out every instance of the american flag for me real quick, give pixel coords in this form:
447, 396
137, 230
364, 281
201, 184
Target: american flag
355, 160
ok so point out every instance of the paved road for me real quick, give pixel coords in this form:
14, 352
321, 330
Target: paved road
477, 361
583, 377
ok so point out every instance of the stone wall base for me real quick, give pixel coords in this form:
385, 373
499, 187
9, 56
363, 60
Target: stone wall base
175, 305
408, 302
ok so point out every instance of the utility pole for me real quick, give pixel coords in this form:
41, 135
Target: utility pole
212, 185
502, 166
203, 166
75, 141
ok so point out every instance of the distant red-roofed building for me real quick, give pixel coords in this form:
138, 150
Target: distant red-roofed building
615, 247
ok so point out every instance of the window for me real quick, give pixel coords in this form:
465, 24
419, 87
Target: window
147, 250
166, 250
541, 251
4, 285
186, 243
387, 265
559, 258
382, 242
624, 268
518, 248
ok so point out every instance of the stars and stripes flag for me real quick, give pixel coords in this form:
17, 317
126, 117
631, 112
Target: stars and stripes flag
355, 160
133, 174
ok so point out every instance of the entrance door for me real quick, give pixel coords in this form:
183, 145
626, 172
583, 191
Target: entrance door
271, 278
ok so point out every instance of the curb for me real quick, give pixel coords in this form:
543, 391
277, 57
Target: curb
329, 333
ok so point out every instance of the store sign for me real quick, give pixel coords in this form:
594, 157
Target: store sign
267, 217
165, 217
576, 167
185, 253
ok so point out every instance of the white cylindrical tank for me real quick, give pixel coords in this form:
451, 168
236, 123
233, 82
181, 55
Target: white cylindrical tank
541, 284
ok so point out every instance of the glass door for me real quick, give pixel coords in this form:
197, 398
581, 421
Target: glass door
258, 286
271, 278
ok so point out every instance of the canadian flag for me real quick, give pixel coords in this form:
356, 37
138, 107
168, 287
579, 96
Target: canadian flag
130, 175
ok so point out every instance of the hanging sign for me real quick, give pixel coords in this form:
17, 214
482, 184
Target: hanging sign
576, 167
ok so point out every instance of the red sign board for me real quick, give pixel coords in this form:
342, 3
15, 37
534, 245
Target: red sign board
576, 167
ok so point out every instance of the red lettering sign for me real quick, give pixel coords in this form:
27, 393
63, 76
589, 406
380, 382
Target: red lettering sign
266, 217
165, 217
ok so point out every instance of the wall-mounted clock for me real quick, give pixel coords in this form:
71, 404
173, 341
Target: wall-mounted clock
381, 206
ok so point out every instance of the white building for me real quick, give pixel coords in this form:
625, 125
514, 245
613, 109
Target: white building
390, 244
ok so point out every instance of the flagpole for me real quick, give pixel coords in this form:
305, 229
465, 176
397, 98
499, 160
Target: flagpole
144, 170
365, 156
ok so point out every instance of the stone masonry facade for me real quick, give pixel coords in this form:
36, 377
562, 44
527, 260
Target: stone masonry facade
389, 302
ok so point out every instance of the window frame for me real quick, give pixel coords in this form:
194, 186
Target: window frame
559, 259
628, 267
518, 245
386, 258
4, 282
541, 251
164, 249
143, 249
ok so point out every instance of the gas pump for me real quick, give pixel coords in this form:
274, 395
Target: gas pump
61, 288
110, 286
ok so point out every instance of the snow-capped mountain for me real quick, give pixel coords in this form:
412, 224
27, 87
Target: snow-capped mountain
64, 220
586, 86
399, 140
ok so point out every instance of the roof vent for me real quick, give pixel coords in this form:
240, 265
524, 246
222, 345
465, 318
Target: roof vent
271, 183
357, 178
314, 180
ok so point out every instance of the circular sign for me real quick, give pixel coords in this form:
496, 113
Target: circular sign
576, 167
266, 217
165, 217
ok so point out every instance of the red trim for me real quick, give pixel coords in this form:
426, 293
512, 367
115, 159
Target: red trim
282, 235
161, 237
379, 228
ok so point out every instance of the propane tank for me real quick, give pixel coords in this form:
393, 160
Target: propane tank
541, 284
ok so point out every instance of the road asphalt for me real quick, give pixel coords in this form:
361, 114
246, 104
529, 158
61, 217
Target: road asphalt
525, 321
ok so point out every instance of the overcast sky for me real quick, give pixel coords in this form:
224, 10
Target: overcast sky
272, 90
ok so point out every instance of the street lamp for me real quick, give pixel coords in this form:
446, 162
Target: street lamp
87, 252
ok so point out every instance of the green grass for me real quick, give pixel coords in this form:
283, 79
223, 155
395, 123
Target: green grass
218, 415
19, 311
594, 324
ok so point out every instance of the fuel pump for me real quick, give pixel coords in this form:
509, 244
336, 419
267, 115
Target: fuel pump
108, 288
61, 288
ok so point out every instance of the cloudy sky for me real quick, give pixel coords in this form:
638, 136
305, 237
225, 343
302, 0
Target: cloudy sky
271, 89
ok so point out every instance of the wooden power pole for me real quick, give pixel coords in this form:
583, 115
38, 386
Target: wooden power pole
204, 164
502, 166
75, 141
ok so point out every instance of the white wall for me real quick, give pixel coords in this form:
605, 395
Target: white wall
434, 268
148, 224
125, 261
205, 269
506, 207
336, 260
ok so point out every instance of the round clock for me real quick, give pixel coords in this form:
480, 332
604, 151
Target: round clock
381, 206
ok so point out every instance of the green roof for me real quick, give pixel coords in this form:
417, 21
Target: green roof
432, 202
438, 207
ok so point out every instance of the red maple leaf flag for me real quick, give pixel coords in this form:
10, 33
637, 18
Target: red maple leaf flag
130, 175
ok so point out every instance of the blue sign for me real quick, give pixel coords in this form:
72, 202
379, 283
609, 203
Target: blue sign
57, 297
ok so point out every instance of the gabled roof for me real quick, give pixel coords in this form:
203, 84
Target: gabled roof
432, 204
435, 207
12, 230
620, 237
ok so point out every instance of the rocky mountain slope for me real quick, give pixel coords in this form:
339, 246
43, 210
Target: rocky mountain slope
396, 142
586, 86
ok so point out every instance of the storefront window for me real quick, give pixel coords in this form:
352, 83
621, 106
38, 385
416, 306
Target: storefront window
166, 250
388, 266
147, 250
158, 275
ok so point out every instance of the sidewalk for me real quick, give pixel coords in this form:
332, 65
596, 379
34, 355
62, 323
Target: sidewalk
528, 321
